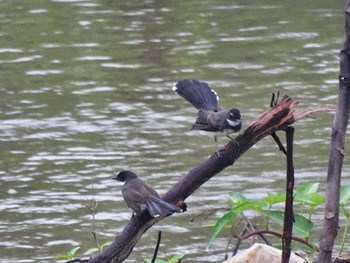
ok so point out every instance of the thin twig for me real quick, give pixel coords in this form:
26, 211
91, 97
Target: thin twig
308, 112
245, 230
265, 231
238, 243
226, 250
209, 213
288, 210
274, 99
279, 143
157, 247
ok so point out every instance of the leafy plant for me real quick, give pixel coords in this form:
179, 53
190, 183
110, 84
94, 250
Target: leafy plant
172, 259
301, 227
233, 214
96, 249
343, 201
306, 195
69, 255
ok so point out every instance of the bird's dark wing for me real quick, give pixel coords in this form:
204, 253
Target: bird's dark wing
217, 119
133, 198
201, 121
134, 192
210, 120
198, 93
151, 191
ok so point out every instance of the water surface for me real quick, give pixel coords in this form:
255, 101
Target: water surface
86, 92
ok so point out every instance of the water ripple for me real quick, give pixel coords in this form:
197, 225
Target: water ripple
93, 90
121, 65
44, 72
10, 50
297, 35
22, 59
93, 58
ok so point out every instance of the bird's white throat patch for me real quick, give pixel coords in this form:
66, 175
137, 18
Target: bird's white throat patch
233, 123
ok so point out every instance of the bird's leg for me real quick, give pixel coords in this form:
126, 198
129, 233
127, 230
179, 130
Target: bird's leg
136, 211
218, 154
233, 140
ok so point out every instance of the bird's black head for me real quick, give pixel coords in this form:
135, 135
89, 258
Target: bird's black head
124, 176
234, 119
234, 114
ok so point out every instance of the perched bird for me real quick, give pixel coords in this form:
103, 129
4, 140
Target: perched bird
210, 117
136, 193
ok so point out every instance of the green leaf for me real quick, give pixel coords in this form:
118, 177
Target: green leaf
69, 255
311, 198
278, 197
232, 215
74, 250
306, 188
237, 198
344, 199
301, 227
344, 194
64, 256
106, 244
156, 261
91, 251
95, 249
345, 212
175, 258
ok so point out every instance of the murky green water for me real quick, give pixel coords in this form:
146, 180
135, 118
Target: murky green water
86, 92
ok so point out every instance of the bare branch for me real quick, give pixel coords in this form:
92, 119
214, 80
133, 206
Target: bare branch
276, 118
265, 231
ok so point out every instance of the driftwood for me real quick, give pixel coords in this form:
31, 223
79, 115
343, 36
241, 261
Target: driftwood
276, 118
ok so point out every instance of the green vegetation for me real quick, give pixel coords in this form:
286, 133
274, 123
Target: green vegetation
69, 255
172, 259
306, 198
97, 249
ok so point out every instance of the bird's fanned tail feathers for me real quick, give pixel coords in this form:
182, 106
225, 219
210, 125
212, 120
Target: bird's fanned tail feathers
198, 93
157, 207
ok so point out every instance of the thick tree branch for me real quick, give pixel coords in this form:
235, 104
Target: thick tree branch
336, 156
276, 118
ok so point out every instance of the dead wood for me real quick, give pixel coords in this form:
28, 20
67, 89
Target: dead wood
276, 118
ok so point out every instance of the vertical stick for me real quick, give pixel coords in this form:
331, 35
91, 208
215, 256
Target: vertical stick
336, 156
288, 210
157, 247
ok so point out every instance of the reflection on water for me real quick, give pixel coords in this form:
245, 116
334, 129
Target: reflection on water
86, 92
